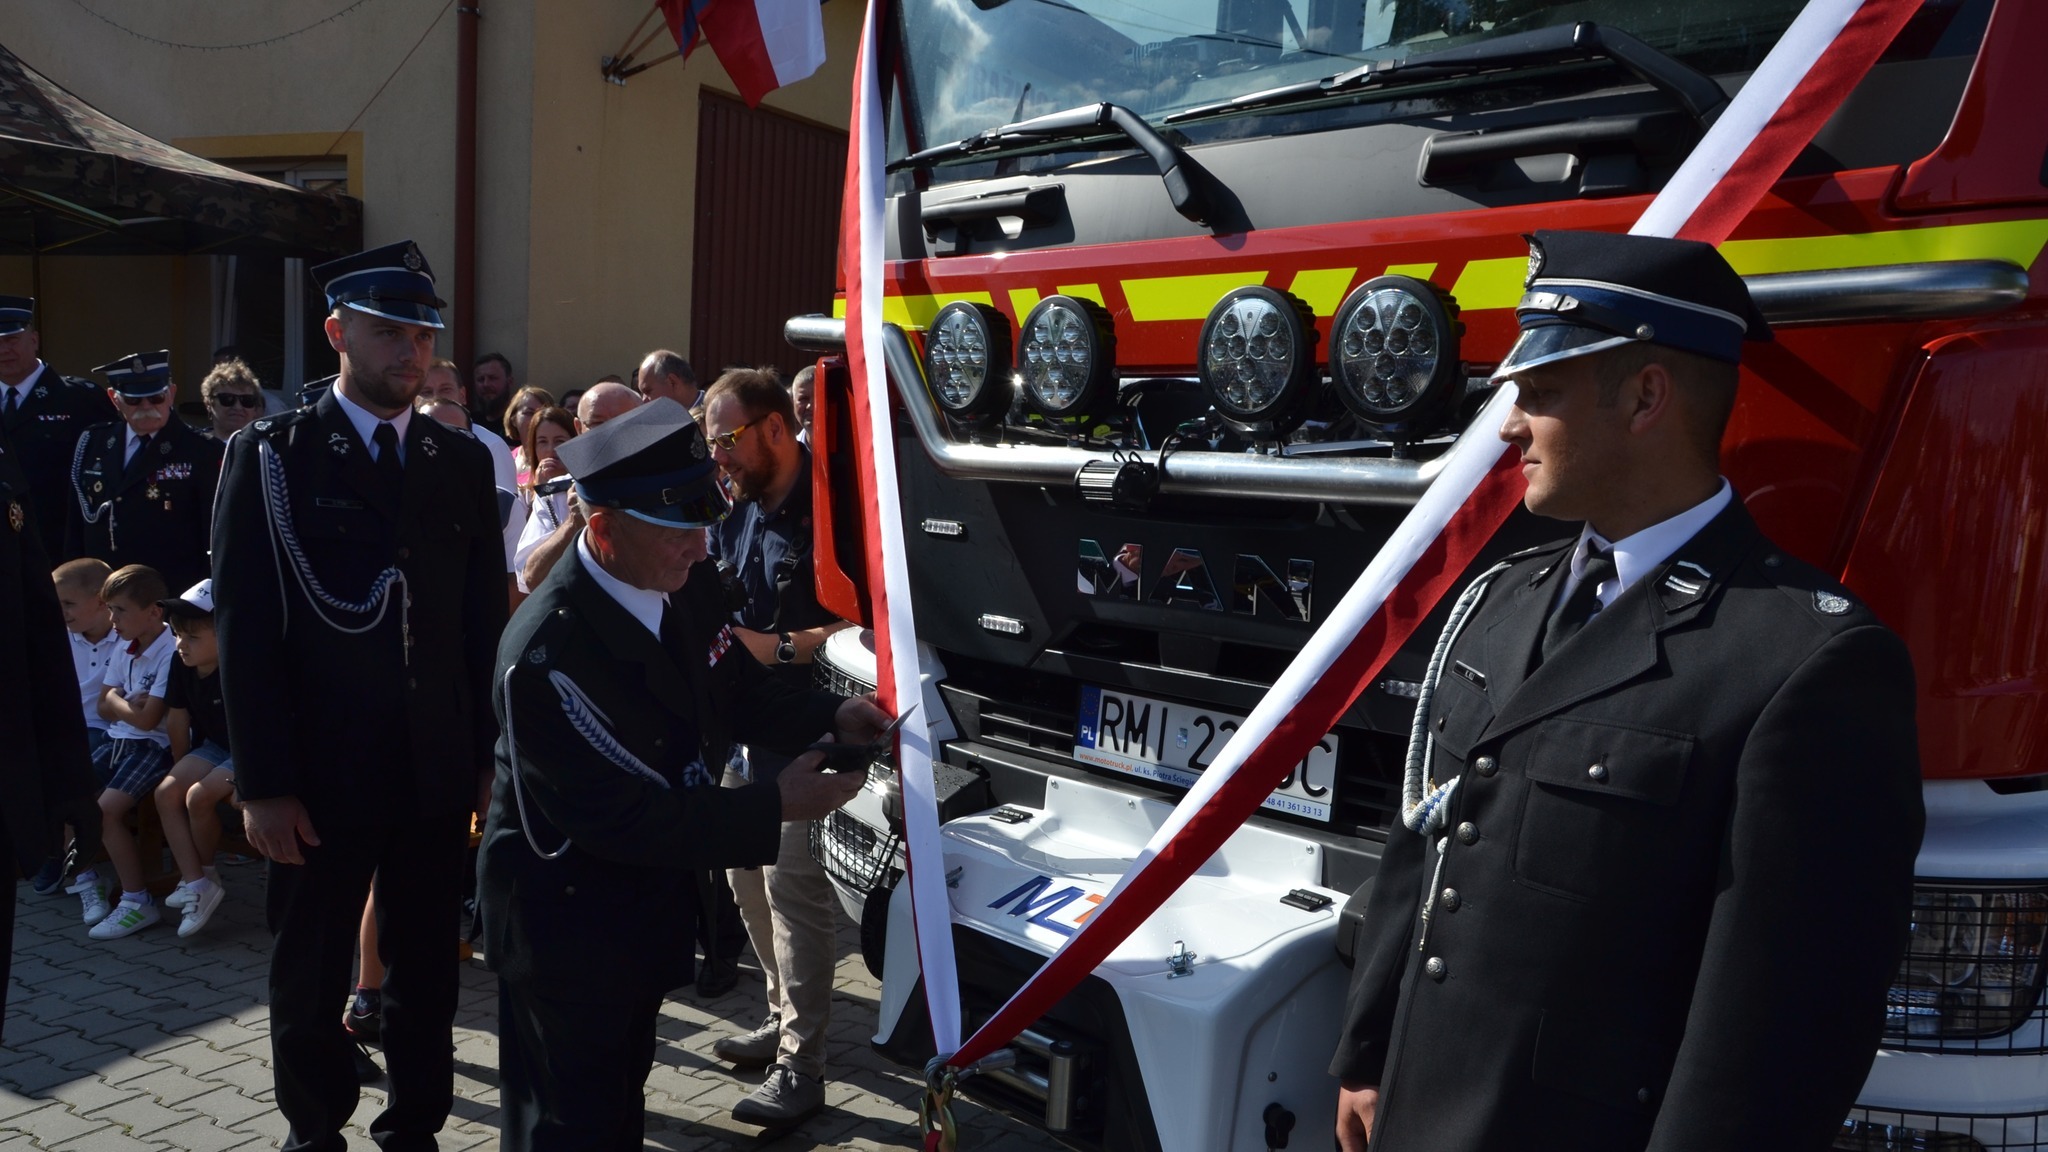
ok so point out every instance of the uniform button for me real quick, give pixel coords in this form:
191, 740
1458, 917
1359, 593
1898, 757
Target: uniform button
1486, 765
1436, 968
657, 741
1468, 833
1451, 900
405, 553
411, 683
1642, 1095
1439, 723
1597, 772
569, 891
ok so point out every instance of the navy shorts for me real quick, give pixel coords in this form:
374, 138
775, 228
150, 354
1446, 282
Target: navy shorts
211, 752
135, 767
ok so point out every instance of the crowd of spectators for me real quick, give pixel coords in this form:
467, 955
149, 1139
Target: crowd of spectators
147, 667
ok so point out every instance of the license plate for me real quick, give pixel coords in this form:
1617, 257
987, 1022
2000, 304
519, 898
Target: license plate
1173, 743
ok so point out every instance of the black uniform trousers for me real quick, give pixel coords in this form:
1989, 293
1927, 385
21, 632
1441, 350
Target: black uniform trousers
315, 911
572, 1075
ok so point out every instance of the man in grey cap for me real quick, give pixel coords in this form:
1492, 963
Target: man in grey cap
620, 685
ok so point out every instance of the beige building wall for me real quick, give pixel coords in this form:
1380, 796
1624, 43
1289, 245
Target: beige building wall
585, 189
616, 167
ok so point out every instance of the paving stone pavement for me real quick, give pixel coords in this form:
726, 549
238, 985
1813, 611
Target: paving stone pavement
154, 1043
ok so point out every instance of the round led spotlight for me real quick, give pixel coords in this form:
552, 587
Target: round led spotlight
1394, 354
1066, 359
1256, 360
967, 359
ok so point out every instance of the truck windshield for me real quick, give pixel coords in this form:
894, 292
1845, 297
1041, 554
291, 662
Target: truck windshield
972, 65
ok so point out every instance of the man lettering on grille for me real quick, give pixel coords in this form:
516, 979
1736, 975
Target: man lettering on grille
620, 686
1656, 874
359, 574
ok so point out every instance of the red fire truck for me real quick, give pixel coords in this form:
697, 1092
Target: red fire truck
1186, 301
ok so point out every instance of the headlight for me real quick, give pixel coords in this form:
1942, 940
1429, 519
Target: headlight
1973, 966
1066, 358
1394, 353
1255, 360
966, 356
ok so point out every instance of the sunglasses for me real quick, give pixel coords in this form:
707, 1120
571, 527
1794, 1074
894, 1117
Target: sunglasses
237, 399
146, 401
731, 440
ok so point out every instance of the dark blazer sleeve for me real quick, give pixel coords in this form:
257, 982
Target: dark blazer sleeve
74, 520
771, 710
248, 618
485, 605
47, 774
1810, 920
1386, 937
206, 479
618, 816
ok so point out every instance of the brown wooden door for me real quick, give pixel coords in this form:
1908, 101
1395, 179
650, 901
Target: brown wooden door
768, 190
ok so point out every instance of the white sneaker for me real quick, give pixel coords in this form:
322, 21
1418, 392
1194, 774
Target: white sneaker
201, 908
127, 919
91, 892
180, 896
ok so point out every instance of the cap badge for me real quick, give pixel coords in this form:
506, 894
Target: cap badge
338, 443
135, 365
15, 516
1535, 262
412, 260
1829, 604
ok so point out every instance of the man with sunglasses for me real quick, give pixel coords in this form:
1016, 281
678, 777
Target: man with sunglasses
41, 416
142, 487
788, 906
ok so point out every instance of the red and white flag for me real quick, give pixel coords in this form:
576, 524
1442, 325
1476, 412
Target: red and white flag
763, 44
1794, 91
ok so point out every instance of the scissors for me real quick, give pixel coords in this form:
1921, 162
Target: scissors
844, 757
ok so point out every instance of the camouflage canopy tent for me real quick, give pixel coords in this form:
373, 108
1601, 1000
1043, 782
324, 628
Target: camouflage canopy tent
77, 181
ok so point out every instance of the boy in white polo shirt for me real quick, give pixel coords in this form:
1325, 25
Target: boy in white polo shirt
137, 753
92, 645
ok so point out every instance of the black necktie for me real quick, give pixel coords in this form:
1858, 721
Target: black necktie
1580, 606
388, 466
135, 457
13, 402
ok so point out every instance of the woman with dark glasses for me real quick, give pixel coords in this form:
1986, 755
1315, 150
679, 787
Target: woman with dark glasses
233, 397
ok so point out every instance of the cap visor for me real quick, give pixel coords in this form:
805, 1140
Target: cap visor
1553, 342
10, 327
403, 311
697, 512
132, 392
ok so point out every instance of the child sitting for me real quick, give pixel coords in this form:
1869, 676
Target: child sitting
137, 752
92, 646
202, 775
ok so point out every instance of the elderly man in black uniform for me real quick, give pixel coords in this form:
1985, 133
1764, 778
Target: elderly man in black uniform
621, 688
359, 574
1664, 800
42, 415
46, 776
143, 486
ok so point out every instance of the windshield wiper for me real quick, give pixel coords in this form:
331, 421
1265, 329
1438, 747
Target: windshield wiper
1181, 175
1698, 93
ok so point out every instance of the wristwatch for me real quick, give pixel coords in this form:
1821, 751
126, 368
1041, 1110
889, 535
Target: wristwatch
785, 650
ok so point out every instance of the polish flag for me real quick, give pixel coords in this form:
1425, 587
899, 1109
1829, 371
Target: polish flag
763, 44
1827, 49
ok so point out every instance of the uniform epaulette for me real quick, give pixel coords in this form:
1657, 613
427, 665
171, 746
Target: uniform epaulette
1817, 595
543, 642
274, 427
1540, 549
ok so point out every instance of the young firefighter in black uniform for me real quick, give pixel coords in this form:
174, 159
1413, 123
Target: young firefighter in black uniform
42, 415
621, 688
143, 486
359, 578
46, 778
1660, 824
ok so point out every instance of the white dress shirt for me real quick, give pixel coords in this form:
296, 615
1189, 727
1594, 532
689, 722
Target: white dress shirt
641, 604
1637, 555
22, 389
365, 423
